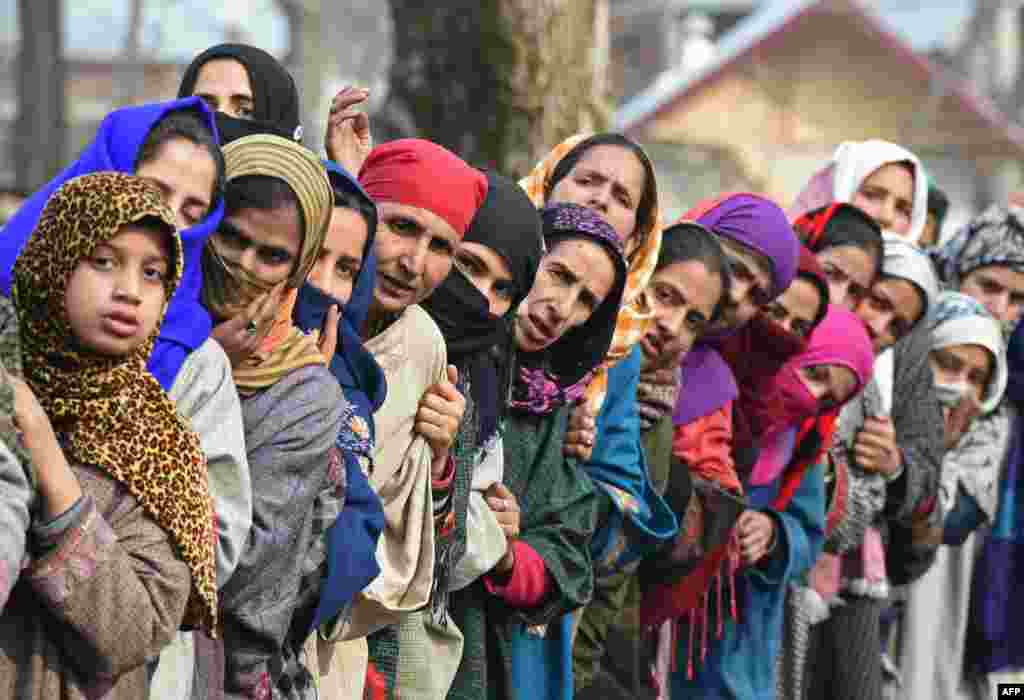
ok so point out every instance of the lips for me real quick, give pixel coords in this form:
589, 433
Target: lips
397, 286
121, 324
651, 346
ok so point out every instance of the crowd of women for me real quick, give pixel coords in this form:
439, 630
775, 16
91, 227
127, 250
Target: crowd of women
389, 426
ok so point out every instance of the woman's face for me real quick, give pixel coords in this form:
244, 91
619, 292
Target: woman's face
969, 366
890, 311
224, 85
683, 296
831, 385
999, 288
341, 258
415, 248
849, 271
266, 243
116, 296
796, 308
489, 273
887, 196
751, 286
186, 174
571, 284
609, 180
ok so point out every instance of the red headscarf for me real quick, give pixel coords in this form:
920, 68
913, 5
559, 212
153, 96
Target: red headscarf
422, 174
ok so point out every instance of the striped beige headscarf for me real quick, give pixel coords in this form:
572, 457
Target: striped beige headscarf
635, 314
228, 289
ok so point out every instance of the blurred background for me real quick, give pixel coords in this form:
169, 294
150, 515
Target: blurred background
733, 94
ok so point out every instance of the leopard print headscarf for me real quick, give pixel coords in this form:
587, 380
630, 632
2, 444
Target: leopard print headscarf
111, 410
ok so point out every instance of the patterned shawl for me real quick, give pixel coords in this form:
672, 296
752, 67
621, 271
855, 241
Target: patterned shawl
104, 404
635, 315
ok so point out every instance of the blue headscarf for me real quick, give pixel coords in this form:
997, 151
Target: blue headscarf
352, 539
187, 324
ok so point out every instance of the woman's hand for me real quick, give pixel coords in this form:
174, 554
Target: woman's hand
58, 485
505, 507
241, 336
329, 334
580, 433
875, 447
756, 535
657, 393
348, 141
958, 419
440, 414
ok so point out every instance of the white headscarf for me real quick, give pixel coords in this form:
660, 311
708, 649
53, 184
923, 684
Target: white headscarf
957, 319
851, 164
905, 261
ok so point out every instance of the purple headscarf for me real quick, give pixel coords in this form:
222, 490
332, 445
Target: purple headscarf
759, 224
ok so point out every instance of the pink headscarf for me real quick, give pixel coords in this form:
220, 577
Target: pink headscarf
840, 339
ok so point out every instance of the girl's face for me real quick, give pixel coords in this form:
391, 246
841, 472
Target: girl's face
264, 242
489, 273
116, 296
609, 180
969, 366
341, 258
224, 85
185, 173
849, 271
887, 196
830, 385
890, 311
573, 280
796, 308
683, 297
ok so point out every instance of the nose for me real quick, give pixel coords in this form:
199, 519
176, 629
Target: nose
599, 197
561, 307
886, 214
129, 285
879, 323
248, 260
837, 294
414, 258
998, 304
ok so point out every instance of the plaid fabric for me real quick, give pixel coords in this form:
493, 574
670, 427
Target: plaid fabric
636, 313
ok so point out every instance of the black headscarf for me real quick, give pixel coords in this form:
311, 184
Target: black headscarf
509, 224
275, 97
557, 374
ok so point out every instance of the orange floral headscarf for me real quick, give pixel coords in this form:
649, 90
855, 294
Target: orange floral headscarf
635, 315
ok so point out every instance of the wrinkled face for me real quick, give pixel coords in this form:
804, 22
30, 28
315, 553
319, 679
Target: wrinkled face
609, 180
831, 385
489, 273
341, 258
796, 309
186, 174
751, 285
683, 296
967, 365
115, 297
264, 242
572, 282
224, 85
999, 288
887, 196
849, 271
890, 311
415, 248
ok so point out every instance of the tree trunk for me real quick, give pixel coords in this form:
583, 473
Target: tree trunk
39, 135
307, 60
497, 81
130, 87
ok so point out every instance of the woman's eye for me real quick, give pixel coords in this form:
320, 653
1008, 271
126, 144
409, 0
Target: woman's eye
154, 274
103, 262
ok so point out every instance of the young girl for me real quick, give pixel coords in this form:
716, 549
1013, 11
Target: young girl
124, 536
